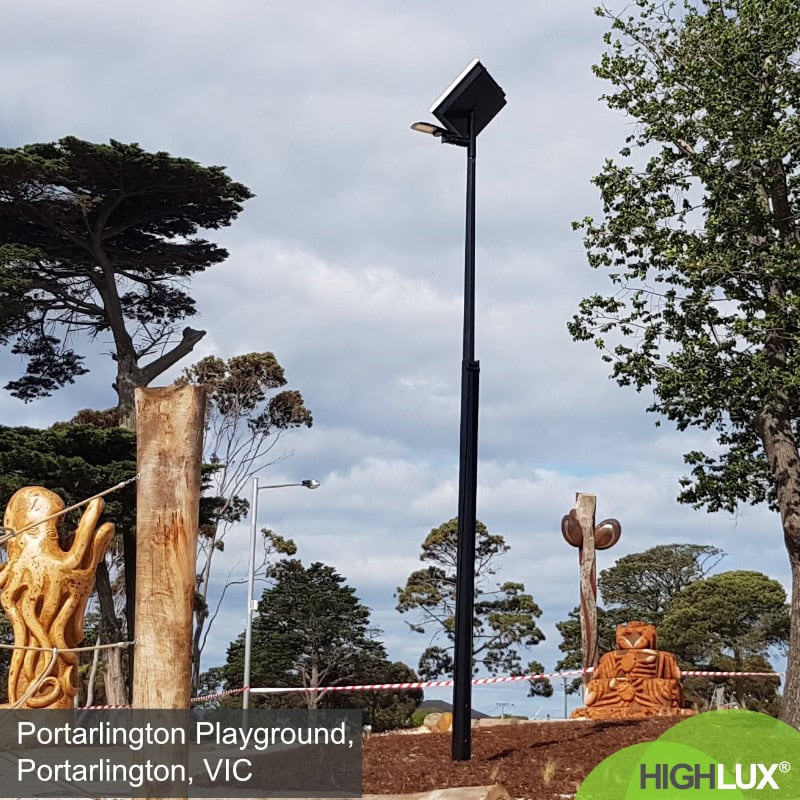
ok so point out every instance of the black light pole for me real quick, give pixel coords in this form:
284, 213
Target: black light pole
465, 109
467, 486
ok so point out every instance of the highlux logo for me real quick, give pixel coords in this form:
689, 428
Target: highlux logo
710, 776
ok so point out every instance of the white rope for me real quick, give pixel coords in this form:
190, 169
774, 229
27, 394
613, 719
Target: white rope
34, 687
84, 649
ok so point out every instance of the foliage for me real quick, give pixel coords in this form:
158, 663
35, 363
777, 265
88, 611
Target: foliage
102, 238
74, 461
246, 417
212, 682
729, 623
382, 710
739, 614
701, 244
760, 693
418, 717
505, 616
643, 585
312, 631
725, 622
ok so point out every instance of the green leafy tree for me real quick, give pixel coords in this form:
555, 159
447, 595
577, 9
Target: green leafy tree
505, 616
74, 461
639, 586
729, 622
310, 631
738, 614
701, 243
643, 585
102, 238
382, 710
247, 414
213, 682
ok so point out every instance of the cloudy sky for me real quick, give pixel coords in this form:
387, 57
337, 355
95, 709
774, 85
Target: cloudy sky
348, 265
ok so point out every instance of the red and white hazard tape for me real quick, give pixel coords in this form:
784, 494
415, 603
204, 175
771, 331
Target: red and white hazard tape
406, 685
379, 687
227, 693
485, 681
199, 699
704, 673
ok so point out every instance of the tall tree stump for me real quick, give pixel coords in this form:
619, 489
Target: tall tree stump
169, 431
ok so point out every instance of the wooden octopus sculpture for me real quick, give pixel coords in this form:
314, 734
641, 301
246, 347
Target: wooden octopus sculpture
634, 681
44, 590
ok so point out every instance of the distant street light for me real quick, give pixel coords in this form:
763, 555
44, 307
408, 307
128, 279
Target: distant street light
252, 604
502, 707
465, 109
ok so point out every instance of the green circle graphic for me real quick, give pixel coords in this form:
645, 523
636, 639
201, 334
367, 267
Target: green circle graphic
728, 754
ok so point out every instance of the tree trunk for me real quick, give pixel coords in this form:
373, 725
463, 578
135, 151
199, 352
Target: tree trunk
114, 680
126, 383
312, 693
113, 674
776, 433
131, 377
790, 706
125, 406
202, 613
197, 652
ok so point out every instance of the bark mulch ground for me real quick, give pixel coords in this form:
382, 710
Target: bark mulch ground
533, 760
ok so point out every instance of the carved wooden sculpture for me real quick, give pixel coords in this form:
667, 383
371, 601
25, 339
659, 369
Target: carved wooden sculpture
44, 590
579, 530
634, 681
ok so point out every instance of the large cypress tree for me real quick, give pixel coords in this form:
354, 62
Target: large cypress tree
101, 239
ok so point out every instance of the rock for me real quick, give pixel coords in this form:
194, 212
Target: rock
445, 722
431, 720
491, 722
439, 721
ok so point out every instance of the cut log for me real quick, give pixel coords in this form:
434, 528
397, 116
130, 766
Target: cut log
169, 431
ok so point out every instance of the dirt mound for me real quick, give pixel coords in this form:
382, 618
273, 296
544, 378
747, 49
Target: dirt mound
532, 760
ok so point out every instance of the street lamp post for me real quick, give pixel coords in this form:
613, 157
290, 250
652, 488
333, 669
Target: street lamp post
252, 604
465, 109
